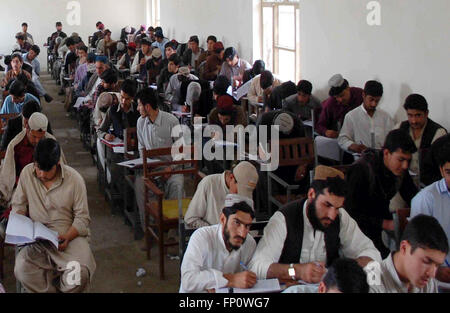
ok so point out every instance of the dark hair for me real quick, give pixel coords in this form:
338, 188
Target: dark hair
334, 91
129, 87
98, 23
266, 79
304, 86
47, 154
70, 42
148, 96
194, 39
84, 48
347, 276
229, 53
424, 231
91, 57
175, 59
373, 88
335, 185
58, 24
221, 85
17, 88
171, 44
16, 55
158, 28
240, 206
399, 139
151, 29
36, 49
444, 154
211, 37
258, 67
30, 107
416, 102
24, 24
107, 31
109, 76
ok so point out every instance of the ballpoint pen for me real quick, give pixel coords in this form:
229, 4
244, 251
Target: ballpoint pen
243, 266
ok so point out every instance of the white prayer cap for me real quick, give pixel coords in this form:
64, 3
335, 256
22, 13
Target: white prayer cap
232, 198
193, 93
38, 121
336, 81
285, 121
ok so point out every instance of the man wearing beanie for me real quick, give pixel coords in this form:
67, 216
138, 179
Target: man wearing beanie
302, 103
207, 203
342, 100
20, 153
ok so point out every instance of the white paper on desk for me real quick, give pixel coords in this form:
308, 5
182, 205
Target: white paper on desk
179, 113
115, 142
261, 286
243, 90
154, 87
137, 162
308, 123
120, 149
328, 148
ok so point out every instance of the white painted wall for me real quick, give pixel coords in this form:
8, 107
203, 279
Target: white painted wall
408, 53
41, 16
231, 21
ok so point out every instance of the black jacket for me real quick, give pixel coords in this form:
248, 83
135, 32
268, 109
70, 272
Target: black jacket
13, 128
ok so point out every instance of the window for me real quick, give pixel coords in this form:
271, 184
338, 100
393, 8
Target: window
153, 12
281, 38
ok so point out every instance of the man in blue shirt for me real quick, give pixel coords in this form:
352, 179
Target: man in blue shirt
17, 97
160, 42
434, 200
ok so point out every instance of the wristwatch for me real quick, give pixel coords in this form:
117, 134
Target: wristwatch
291, 271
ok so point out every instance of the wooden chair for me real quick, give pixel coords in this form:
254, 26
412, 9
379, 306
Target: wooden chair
164, 212
400, 221
296, 151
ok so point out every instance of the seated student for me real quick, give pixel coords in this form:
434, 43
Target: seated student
154, 130
173, 93
434, 200
119, 117
31, 59
343, 276
191, 55
342, 100
227, 113
142, 57
83, 74
214, 62
412, 269
424, 131
366, 126
154, 66
104, 102
20, 153
98, 34
16, 70
302, 103
431, 163
16, 125
17, 97
169, 49
174, 62
374, 180
273, 100
234, 67
210, 41
127, 59
207, 202
58, 33
261, 86
107, 46
101, 65
22, 45
258, 67
108, 84
305, 237
161, 41
30, 87
39, 267
26, 34
216, 255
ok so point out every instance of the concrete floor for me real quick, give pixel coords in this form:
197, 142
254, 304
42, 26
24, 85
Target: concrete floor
117, 254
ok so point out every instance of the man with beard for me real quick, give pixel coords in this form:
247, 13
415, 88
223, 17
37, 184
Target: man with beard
217, 256
305, 237
412, 269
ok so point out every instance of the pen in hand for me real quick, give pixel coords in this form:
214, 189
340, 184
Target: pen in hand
243, 266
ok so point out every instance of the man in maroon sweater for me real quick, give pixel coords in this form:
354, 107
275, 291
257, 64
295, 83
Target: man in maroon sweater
342, 100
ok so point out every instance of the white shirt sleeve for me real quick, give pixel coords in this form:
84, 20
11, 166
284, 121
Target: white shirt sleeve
140, 135
354, 243
253, 91
134, 67
194, 276
439, 133
347, 134
270, 246
122, 61
196, 212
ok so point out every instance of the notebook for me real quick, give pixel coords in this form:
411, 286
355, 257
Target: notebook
22, 230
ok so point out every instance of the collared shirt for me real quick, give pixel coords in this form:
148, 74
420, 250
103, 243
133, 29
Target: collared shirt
60, 207
34, 64
354, 243
358, 128
434, 200
173, 92
208, 201
237, 70
157, 134
333, 113
207, 259
10, 107
256, 91
161, 46
391, 283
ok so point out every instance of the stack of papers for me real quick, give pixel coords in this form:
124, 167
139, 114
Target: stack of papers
137, 162
261, 286
117, 142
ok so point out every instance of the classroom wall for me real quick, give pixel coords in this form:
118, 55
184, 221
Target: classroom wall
409, 51
231, 21
41, 16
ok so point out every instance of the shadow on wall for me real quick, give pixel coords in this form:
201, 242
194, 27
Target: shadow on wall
400, 114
